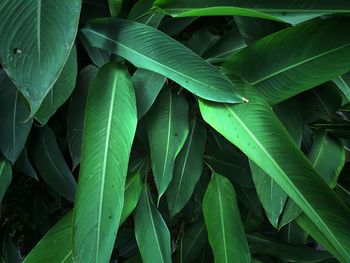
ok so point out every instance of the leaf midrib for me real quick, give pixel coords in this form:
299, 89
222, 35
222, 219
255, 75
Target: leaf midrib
286, 178
104, 165
222, 220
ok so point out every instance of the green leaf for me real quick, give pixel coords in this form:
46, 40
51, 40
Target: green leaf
327, 155
306, 64
75, 117
109, 129
202, 40
25, 166
115, 6
56, 245
97, 55
222, 219
147, 85
40, 45
5, 177
275, 10
14, 129
152, 234
187, 168
52, 167
155, 51
193, 241
343, 83
61, 90
133, 188
257, 132
167, 132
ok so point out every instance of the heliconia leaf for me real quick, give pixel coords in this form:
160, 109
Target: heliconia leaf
222, 219
343, 83
202, 40
174, 26
60, 91
167, 132
75, 117
257, 132
187, 168
310, 48
271, 196
51, 165
115, 6
155, 51
327, 155
40, 45
5, 177
57, 240
133, 188
25, 166
97, 55
147, 85
193, 241
14, 128
275, 10
152, 234
109, 129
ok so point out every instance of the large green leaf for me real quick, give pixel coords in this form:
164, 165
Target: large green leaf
193, 241
14, 129
56, 245
268, 9
257, 132
109, 129
52, 167
306, 64
343, 83
75, 117
152, 234
39, 37
187, 168
222, 219
167, 132
5, 177
151, 49
61, 90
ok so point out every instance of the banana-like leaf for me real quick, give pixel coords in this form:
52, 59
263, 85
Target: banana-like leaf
52, 167
167, 132
147, 85
268, 9
149, 48
187, 168
75, 118
222, 219
343, 83
5, 177
56, 245
115, 6
193, 241
39, 37
152, 234
254, 129
306, 64
61, 90
14, 129
133, 188
25, 166
109, 129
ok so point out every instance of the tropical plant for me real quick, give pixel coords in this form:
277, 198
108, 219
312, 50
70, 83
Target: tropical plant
174, 131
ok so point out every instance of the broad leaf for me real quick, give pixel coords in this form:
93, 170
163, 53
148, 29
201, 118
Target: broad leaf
343, 83
56, 245
5, 177
75, 118
51, 165
275, 10
167, 132
147, 85
61, 90
115, 6
257, 132
40, 45
152, 234
25, 166
14, 128
155, 51
193, 241
306, 64
133, 188
187, 168
222, 219
109, 129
